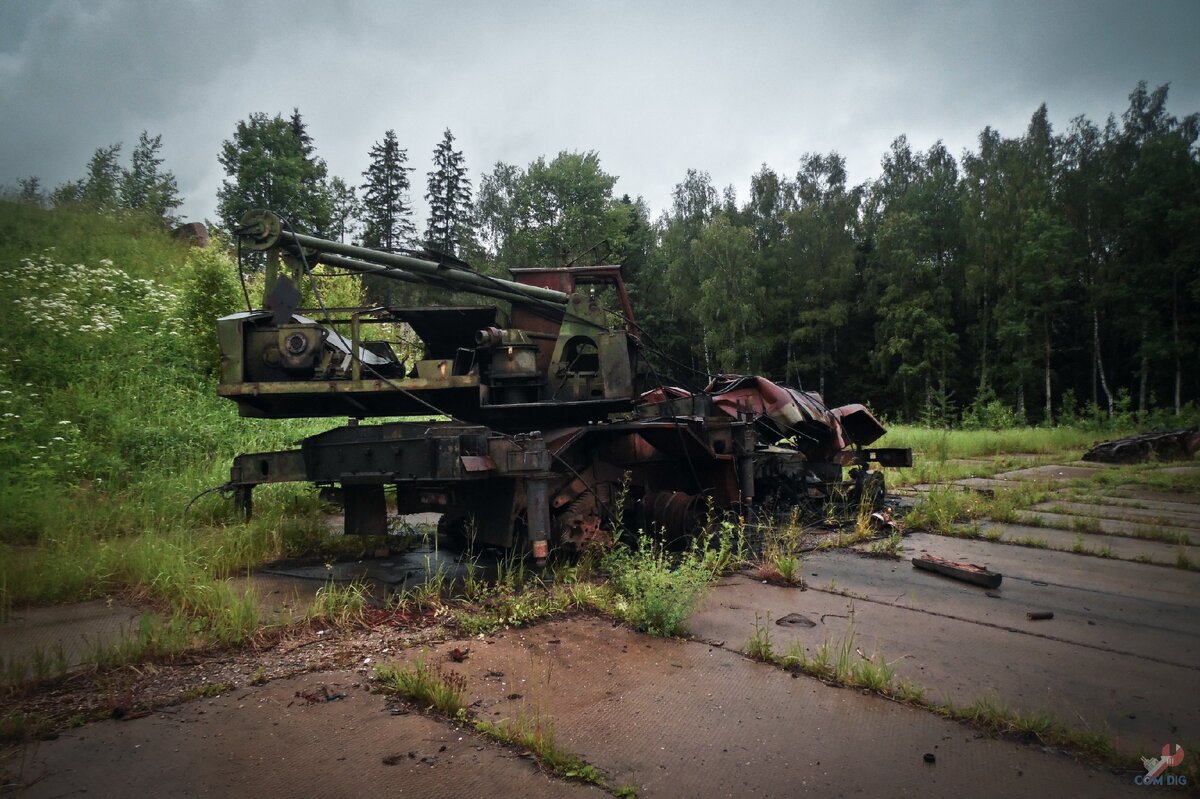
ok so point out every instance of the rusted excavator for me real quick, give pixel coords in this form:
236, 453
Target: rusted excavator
550, 431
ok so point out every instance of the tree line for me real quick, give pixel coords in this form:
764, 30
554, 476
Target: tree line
142, 187
1033, 278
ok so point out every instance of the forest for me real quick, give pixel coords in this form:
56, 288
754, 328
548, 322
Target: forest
1045, 278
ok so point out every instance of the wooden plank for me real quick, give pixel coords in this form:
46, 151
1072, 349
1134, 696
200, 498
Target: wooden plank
967, 572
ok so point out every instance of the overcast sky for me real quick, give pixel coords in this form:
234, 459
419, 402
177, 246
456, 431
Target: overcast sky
654, 88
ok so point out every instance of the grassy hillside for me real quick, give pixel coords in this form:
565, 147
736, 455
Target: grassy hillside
109, 423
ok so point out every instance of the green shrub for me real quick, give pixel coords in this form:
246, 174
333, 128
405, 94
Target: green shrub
210, 291
656, 590
987, 412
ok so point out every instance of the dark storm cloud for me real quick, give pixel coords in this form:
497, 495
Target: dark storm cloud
655, 89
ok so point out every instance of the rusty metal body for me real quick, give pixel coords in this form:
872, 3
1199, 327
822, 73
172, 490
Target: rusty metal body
1172, 445
552, 432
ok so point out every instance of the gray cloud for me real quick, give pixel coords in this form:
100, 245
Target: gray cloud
655, 89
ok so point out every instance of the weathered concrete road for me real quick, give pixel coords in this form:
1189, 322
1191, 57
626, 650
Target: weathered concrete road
674, 718
1123, 648
667, 717
1127, 660
268, 742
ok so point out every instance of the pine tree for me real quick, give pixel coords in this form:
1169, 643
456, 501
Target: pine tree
449, 199
387, 215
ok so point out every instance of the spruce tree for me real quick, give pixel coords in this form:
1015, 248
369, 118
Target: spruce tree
268, 166
387, 215
449, 199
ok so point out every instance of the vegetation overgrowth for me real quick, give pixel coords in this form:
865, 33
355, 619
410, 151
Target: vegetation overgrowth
109, 427
109, 423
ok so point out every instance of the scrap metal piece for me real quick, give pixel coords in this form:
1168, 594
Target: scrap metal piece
795, 620
1172, 445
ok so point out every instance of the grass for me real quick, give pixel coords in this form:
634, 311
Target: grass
890, 546
208, 689
432, 687
843, 663
647, 586
760, 646
941, 445
445, 693
42, 664
167, 636
993, 715
1144, 475
942, 509
536, 735
1088, 524
342, 605
780, 558
501, 608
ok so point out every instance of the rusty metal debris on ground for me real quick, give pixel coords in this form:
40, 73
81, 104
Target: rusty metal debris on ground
324, 695
883, 521
967, 572
1173, 445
